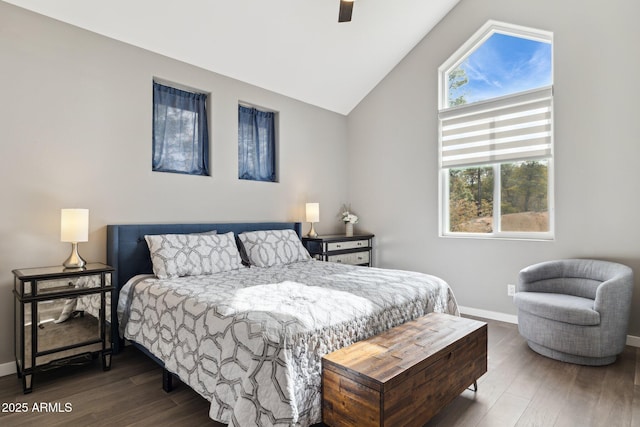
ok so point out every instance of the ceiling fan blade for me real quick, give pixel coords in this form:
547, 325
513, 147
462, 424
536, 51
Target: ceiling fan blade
346, 8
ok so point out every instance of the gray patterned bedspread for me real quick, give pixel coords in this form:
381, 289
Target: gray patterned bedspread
251, 340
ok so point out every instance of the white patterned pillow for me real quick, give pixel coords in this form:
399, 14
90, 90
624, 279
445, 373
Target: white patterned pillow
177, 255
273, 247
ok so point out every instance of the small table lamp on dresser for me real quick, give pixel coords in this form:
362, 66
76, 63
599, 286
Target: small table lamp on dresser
313, 215
74, 228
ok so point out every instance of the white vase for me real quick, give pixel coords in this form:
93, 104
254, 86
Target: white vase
349, 229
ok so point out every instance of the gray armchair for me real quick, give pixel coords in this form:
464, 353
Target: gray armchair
575, 310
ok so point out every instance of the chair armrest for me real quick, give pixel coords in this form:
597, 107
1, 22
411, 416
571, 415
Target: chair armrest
613, 302
613, 297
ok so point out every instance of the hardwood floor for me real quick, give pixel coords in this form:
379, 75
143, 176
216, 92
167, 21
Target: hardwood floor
521, 388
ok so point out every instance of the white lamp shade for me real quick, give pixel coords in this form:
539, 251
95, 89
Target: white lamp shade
313, 212
74, 225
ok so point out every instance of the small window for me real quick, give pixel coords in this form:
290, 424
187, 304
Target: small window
496, 135
180, 131
256, 144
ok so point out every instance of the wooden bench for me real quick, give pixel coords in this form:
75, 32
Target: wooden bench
405, 375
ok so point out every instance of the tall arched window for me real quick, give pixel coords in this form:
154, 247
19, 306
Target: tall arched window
496, 135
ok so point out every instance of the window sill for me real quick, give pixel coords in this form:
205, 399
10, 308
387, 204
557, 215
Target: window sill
538, 237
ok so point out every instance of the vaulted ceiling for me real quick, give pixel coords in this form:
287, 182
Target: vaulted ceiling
294, 47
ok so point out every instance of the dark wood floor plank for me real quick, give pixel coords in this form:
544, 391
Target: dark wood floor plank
129, 393
188, 413
584, 392
635, 407
637, 376
554, 391
615, 403
528, 380
505, 412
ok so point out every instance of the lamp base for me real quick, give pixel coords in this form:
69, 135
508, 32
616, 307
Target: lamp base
312, 232
74, 260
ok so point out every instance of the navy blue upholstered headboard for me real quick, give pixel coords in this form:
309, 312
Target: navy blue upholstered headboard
128, 254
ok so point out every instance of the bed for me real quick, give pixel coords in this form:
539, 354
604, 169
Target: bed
250, 340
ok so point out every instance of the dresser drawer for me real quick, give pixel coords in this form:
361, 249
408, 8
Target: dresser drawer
354, 258
355, 250
349, 244
52, 287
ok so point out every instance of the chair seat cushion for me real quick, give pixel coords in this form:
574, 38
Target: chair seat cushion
559, 307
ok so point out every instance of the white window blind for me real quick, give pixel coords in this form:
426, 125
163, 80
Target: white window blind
506, 129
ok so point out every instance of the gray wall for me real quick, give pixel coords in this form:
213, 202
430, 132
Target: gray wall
75, 131
393, 154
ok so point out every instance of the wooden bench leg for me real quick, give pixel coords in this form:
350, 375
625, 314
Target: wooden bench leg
167, 381
106, 361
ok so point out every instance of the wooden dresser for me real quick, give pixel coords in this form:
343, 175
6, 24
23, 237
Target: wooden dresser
405, 375
354, 250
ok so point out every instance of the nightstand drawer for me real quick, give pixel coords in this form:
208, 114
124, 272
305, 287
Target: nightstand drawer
349, 244
354, 258
55, 286
52, 281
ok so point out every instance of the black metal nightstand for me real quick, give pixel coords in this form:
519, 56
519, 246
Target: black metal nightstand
50, 320
355, 250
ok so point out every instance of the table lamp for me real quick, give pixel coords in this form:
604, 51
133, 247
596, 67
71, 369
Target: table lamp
313, 215
74, 228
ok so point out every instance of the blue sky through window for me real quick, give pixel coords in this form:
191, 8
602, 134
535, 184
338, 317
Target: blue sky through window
503, 65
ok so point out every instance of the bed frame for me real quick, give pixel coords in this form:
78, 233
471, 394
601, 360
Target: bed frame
128, 253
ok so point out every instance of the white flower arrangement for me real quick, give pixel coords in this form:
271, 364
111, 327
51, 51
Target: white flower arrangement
348, 216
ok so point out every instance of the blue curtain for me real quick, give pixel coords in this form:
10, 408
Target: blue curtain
180, 132
256, 144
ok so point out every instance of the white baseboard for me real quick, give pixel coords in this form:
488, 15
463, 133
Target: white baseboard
493, 315
7, 369
632, 340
